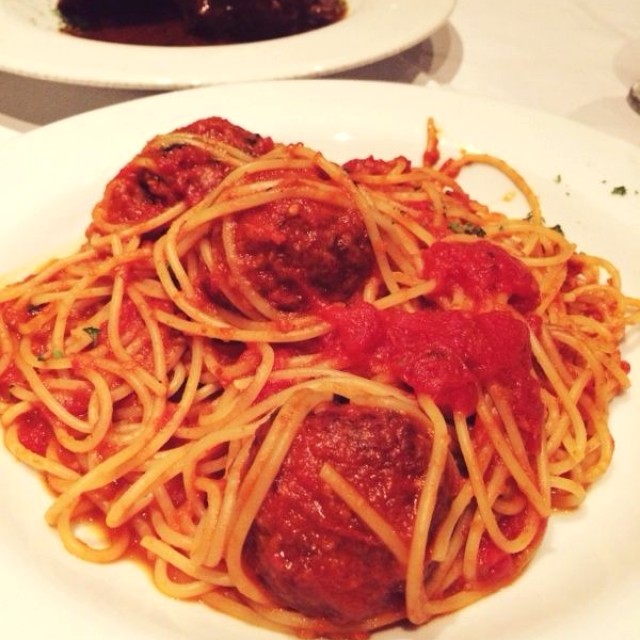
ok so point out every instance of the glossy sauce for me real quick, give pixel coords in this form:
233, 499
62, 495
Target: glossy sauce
167, 32
446, 355
164, 23
159, 177
314, 554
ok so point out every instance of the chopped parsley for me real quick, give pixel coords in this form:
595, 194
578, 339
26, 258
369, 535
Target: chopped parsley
93, 333
468, 228
619, 191
33, 309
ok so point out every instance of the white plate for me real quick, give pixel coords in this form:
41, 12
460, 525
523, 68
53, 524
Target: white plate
31, 44
584, 582
6, 134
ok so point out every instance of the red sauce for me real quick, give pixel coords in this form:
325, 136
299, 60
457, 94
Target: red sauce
447, 355
34, 432
75, 401
364, 168
483, 271
495, 566
371, 166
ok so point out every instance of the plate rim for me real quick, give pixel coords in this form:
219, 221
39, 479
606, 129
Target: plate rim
311, 54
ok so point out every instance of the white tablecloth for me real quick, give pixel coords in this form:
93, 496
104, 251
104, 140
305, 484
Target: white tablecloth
574, 58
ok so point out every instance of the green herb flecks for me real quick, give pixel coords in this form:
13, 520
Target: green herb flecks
467, 228
93, 333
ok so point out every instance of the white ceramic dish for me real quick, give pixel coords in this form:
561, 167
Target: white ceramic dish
585, 580
6, 134
31, 44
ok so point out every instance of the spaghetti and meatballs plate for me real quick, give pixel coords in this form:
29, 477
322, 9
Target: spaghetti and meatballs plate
350, 328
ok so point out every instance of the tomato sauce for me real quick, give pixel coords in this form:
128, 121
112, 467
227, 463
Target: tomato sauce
483, 271
34, 432
447, 355
496, 566
423, 206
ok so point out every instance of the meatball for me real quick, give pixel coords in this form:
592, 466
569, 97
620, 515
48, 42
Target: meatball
159, 177
95, 14
306, 545
300, 252
214, 21
247, 20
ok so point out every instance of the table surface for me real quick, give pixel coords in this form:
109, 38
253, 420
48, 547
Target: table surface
573, 58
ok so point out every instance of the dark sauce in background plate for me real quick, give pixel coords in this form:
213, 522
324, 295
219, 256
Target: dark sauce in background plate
195, 22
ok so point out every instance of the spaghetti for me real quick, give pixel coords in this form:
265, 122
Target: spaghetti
323, 399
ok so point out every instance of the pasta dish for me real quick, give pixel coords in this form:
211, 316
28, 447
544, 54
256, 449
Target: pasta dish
195, 22
322, 398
